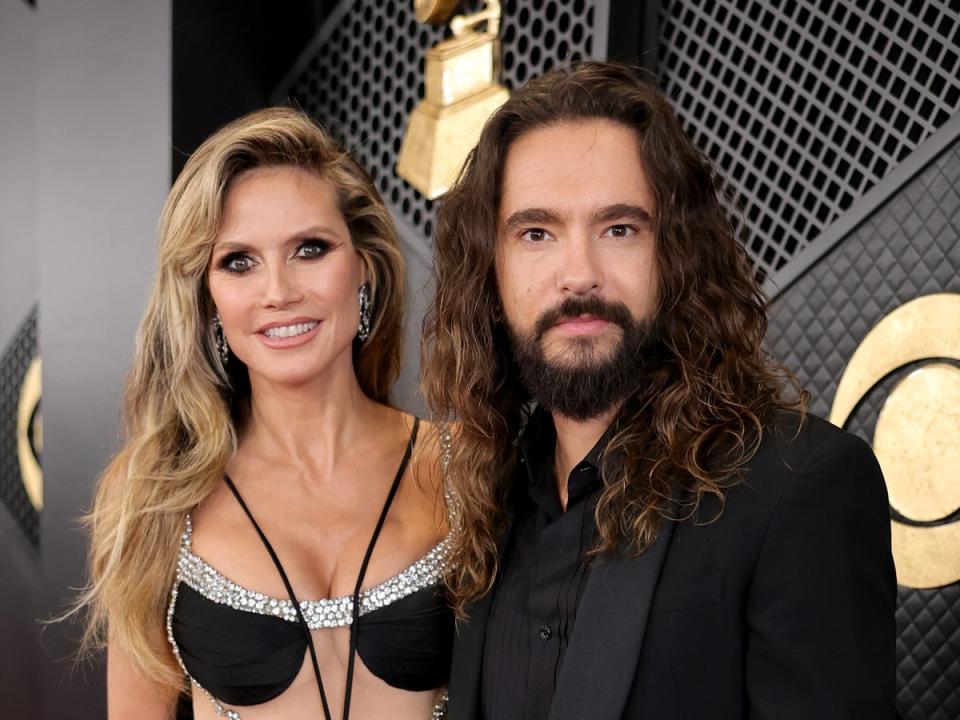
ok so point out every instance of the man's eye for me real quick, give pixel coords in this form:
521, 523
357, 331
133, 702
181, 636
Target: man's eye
534, 235
313, 249
236, 263
621, 230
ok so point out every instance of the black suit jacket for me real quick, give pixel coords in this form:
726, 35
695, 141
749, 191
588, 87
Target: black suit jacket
781, 608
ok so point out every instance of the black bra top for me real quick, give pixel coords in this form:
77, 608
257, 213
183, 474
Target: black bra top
245, 648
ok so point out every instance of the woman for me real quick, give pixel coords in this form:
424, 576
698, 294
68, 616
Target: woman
272, 529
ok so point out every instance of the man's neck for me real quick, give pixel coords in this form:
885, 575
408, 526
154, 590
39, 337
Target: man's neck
575, 438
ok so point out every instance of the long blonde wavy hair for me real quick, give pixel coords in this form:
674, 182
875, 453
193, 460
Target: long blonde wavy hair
182, 406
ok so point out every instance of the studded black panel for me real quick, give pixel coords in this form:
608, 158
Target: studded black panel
13, 366
807, 105
907, 248
367, 76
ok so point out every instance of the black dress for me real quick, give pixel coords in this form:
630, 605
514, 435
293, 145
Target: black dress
241, 647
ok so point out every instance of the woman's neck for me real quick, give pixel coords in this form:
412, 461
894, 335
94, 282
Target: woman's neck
312, 424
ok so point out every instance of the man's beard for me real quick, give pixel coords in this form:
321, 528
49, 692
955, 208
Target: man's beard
583, 381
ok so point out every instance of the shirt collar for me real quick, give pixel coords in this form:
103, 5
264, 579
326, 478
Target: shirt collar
537, 443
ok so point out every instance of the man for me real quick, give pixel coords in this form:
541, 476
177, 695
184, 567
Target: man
649, 524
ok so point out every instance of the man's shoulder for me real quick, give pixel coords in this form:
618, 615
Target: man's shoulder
804, 447
797, 438
808, 470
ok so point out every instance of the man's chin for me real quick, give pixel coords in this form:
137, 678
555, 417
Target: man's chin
579, 356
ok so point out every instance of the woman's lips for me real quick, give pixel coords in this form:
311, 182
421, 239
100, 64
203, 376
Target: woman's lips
292, 341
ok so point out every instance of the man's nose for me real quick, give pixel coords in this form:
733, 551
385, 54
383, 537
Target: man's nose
579, 272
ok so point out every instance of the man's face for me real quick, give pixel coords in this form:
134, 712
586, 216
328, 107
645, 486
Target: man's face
576, 262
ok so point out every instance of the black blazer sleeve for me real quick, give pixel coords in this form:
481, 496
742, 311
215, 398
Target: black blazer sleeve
820, 613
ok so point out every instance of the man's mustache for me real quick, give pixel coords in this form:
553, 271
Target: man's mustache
574, 307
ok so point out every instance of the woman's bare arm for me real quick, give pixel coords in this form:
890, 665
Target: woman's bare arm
130, 695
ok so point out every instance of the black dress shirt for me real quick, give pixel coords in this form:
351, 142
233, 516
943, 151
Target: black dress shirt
542, 577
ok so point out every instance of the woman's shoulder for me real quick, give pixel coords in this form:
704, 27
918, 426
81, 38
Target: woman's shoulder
432, 453
435, 443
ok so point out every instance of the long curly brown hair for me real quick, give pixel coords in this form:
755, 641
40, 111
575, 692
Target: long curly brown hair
697, 416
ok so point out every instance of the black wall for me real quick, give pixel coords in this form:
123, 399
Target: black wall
228, 57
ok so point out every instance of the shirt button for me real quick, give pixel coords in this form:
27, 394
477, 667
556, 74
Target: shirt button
545, 632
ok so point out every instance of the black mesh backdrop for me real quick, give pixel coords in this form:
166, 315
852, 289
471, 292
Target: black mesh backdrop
366, 78
13, 366
907, 248
807, 105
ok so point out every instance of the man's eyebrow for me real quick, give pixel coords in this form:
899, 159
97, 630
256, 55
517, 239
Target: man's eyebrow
531, 216
622, 211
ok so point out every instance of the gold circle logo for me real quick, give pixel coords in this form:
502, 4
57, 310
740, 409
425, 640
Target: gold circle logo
30, 434
917, 434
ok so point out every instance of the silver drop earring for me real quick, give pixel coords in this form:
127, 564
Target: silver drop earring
363, 296
221, 339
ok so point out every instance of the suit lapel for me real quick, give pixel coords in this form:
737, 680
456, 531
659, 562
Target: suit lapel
464, 686
601, 660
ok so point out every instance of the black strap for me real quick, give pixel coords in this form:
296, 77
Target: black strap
293, 597
356, 593
351, 657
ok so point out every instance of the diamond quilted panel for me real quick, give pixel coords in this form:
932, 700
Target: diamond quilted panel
928, 645
907, 248
13, 365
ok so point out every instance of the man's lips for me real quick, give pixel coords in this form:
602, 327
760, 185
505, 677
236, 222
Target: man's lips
582, 325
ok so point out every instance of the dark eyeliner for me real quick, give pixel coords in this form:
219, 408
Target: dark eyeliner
226, 262
322, 246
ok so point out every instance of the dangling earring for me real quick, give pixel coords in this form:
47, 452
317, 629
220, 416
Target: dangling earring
221, 339
363, 331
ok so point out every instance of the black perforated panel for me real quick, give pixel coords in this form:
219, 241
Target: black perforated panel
806, 105
367, 76
907, 248
13, 366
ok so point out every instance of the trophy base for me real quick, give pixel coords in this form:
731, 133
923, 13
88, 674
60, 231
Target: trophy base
438, 139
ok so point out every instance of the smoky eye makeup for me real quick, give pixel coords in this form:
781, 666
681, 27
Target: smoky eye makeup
313, 248
235, 262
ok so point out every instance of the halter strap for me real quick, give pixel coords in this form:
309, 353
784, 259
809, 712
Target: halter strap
356, 593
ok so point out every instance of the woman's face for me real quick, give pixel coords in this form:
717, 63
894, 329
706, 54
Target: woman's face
284, 276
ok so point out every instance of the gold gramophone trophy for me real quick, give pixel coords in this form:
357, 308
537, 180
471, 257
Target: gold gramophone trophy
462, 91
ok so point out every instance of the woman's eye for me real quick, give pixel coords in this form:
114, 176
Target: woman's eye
313, 249
534, 235
236, 263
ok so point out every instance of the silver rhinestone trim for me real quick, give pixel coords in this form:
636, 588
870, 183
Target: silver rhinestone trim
195, 572
218, 707
440, 709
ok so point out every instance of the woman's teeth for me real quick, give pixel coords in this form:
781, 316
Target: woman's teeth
284, 331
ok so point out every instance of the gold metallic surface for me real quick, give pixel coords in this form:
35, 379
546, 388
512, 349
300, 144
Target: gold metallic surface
917, 435
460, 67
928, 327
30, 471
439, 138
926, 557
461, 91
490, 15
917, 441
433, 11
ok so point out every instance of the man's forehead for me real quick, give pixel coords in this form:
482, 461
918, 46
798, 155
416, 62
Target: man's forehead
574, 168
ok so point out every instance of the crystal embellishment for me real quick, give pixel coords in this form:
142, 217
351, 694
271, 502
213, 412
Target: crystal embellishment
195, 572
